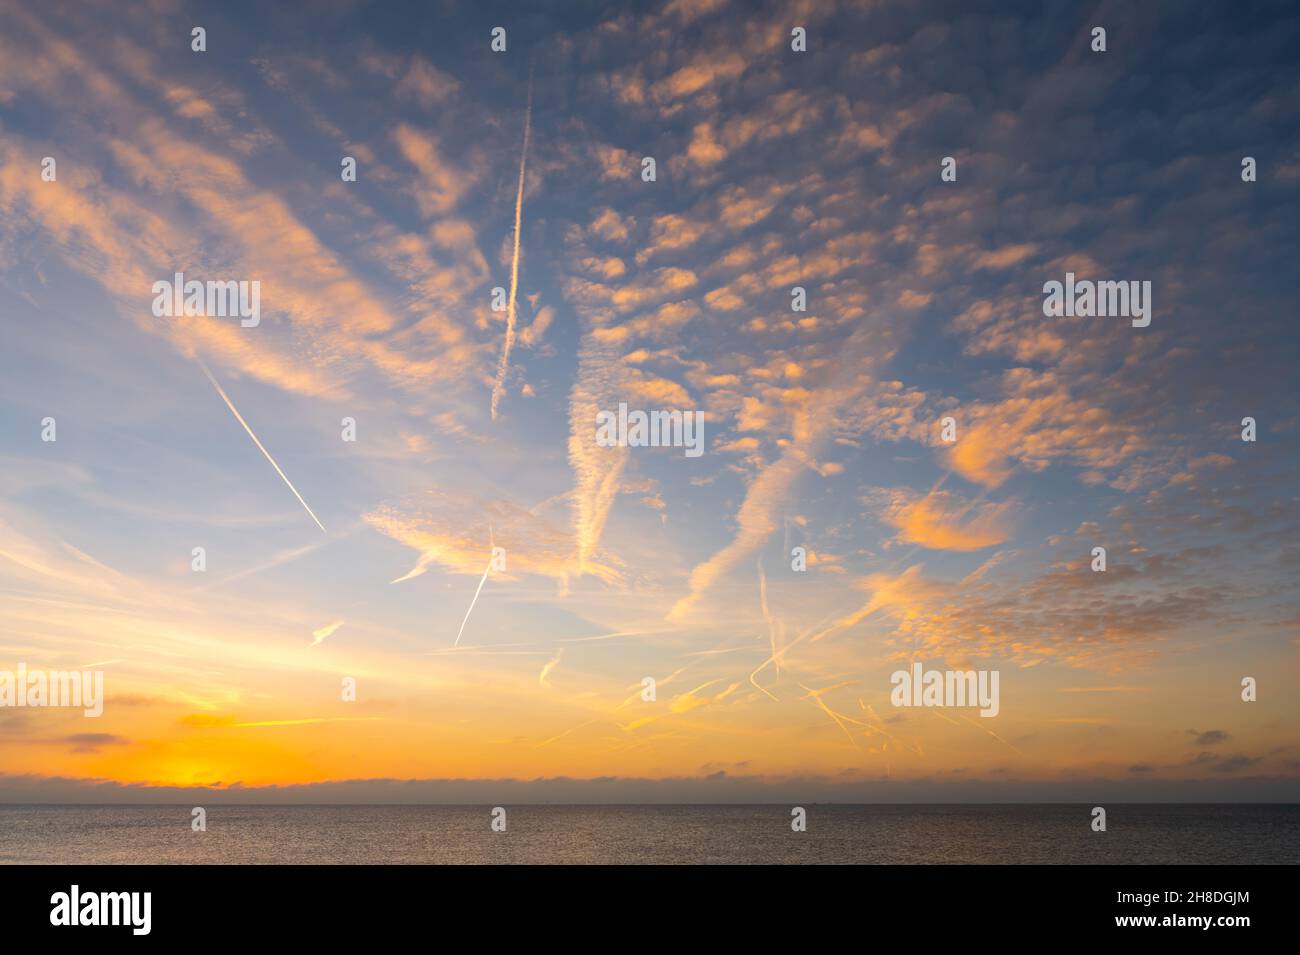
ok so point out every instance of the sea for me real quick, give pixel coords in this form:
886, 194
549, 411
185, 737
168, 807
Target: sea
656, 834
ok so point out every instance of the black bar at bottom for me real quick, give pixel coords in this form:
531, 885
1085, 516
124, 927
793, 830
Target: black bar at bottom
618, 904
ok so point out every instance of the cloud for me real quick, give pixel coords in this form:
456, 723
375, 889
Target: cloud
426, 84
942, 521
91, 742
440, 185
452, 531
712, 788
923, 301
1039, 423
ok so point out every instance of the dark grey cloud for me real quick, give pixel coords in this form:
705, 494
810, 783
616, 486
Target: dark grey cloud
91, 742
718, 788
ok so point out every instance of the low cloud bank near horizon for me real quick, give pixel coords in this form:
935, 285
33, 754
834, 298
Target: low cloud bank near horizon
717, 788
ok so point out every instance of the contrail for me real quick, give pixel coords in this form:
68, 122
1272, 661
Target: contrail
498, 389
839, 718
481, 582
240, 418
550, 665
324, 632
771, 626
771, 631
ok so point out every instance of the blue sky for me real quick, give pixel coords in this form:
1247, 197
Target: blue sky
775, 169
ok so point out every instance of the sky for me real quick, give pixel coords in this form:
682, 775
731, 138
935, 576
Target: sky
371, 560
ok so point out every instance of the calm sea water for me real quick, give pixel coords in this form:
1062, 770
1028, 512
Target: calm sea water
1233, 834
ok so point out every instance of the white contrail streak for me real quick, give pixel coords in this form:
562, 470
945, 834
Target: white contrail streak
260, 446
481, 582
324, 632
550, 665
771, 625
771, 631
503, 366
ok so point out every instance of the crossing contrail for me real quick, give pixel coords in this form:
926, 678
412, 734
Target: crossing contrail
503, 366
260, 446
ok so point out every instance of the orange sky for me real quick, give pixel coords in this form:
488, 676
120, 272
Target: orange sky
329, 559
